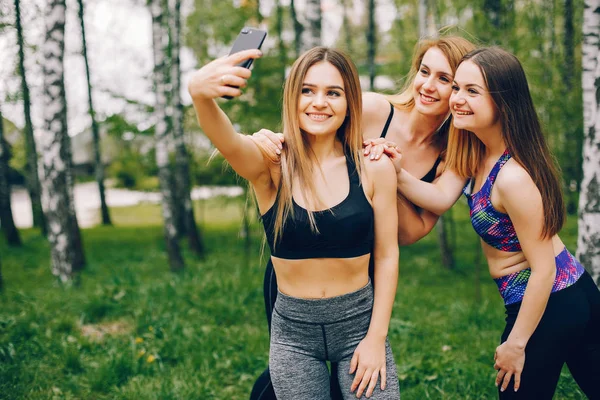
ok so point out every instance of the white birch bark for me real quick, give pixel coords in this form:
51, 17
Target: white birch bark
33, 180
182, 159
161, 132
588, 244
313, 18
57, 196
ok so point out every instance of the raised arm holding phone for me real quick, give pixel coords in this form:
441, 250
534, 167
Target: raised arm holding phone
326, 214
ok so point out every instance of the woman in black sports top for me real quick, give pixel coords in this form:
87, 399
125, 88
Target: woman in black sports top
326, 309
417, 120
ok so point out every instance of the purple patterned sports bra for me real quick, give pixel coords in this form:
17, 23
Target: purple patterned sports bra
496, 229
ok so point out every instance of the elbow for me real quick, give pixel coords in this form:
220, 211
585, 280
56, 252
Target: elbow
413, 235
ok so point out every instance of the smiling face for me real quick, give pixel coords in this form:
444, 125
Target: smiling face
322, 106
433, 84
471, 104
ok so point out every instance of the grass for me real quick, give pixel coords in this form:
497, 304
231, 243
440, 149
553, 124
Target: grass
133, 330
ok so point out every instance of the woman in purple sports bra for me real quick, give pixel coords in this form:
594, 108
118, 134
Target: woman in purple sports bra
516, 206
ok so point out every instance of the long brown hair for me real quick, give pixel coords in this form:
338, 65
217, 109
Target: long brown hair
454, 49
521, 130
298, 160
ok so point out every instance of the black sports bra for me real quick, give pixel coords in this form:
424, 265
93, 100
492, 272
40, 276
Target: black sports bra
345, 230
429, 176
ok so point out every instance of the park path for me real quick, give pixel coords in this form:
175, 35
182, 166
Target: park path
87, 201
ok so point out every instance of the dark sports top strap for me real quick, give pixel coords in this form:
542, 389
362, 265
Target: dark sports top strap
430, 176
387, 123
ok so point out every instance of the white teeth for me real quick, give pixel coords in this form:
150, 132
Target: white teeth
318, 117
428, 99
463, 113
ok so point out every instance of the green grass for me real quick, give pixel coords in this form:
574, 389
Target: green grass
134, 330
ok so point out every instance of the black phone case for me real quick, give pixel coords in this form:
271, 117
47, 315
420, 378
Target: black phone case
248, 38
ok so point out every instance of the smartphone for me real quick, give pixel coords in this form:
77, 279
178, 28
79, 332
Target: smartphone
248, 38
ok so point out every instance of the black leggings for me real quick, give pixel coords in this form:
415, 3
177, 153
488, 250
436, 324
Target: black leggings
569, 332
263, 388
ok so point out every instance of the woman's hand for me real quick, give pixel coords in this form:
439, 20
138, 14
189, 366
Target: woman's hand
218, 78
374, 148
368, 362
509, 360
269, 143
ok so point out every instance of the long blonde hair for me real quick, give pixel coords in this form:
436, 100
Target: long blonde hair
454, 49
298, 160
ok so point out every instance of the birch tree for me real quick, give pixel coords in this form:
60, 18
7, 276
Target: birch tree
298, 29
161, 131
57, 196
588, 244
98, 166
182, 159
6, 218
313, 18
33, 180
371, 44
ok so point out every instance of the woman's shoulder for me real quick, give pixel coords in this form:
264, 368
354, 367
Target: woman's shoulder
381, 170
375, 104
513, 180
376, 109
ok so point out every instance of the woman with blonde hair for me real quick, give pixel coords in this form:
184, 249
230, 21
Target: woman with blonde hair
514, 193
417, 120
326, 214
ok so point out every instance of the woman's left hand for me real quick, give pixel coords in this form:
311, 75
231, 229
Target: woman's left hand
509, 360
368, 362
374, 148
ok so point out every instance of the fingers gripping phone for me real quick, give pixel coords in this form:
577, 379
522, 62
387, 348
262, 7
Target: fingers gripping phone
248, 38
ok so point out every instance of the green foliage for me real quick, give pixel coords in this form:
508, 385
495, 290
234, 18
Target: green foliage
133, 330
211, 171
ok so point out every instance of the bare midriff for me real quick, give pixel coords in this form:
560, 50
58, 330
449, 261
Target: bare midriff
318, 278
502, 263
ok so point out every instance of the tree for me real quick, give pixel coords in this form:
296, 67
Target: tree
298, 29
6, 218
372, 44
161, 132
98, 166
347, 28
313, 17
63, 231
182, 160
280, 42
588, 244
33, 181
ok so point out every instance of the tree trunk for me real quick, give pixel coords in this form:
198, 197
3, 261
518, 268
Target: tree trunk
6, 218
63, 231
33, 180
422, 18
298, 29
313, 18
442, 227
99, 167
372, 45
182, 159
159, 46
571, 142
280, 43
347, 28
588, 244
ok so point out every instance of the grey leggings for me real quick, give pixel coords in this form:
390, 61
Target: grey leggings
305, 333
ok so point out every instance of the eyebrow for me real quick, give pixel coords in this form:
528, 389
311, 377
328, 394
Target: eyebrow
470, 85
442, 72
328, 87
